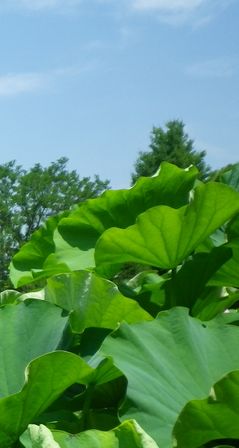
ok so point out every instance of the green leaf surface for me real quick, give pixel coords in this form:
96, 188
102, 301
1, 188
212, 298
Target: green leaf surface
216, 417
228, 274
232, 230
163, 237
27, 330
189, 283
93, 301
46, 379
213, 302
167, 363
34, 253
68, 243
119, 208
9, 296
127, 435
231, 177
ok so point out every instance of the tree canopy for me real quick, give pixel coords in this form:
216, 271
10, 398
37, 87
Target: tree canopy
28, 197
172, 145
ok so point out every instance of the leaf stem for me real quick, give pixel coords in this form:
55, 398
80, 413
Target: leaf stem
86, 406
173, 302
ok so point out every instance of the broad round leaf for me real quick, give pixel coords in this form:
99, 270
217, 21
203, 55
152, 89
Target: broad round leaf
167, 363
163, 236
93, 301
127, 435
68, 243
27, 330
46, 379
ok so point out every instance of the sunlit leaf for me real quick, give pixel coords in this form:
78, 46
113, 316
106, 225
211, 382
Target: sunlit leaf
127, 435
68, 243
162, 236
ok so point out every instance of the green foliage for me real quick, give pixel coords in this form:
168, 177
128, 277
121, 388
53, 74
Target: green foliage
149, 362
171, 145
128, 433
164, 236
215, 417
171, 359
27, 198
68, 243
92, 301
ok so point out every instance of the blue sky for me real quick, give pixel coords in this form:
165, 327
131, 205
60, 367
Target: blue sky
87, 79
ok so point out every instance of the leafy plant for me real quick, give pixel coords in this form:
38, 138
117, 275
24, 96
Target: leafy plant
93, 358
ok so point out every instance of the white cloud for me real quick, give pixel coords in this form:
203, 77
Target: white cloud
14, 84
167, 6
213, 68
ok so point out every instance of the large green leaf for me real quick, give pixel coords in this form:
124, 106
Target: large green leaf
27, 330
216, 417
127, 435
163, 236
167, 363
119, 208
70, 245
46, 378
92, 301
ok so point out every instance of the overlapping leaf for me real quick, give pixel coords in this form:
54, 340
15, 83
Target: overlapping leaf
163, 236
27, 330
92, 301
169, 362
33, 254
189, 283
128, 434
228, 274
214, 418
70, 241
46, 378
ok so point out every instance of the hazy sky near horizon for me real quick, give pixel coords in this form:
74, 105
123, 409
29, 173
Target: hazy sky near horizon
87, 79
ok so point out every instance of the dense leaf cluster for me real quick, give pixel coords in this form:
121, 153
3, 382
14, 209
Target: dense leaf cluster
92, 359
